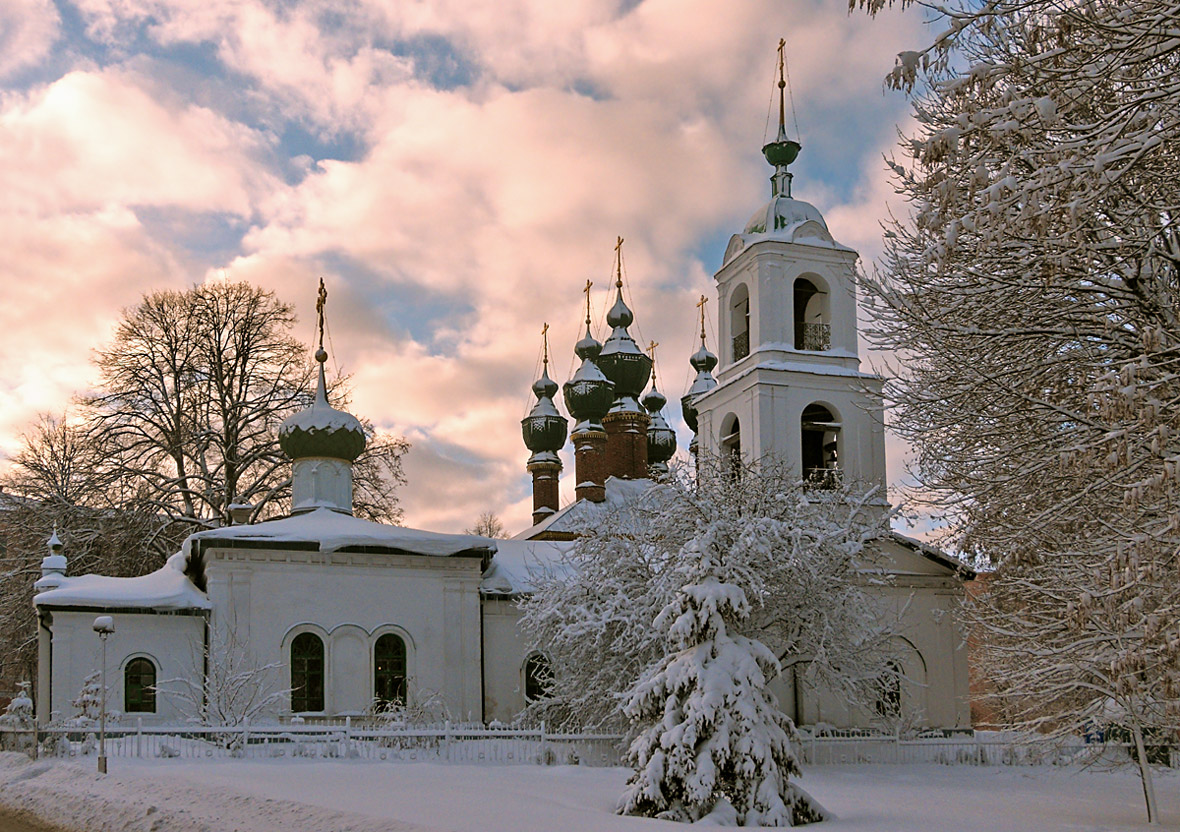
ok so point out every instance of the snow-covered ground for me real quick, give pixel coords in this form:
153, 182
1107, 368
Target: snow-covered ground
358, 796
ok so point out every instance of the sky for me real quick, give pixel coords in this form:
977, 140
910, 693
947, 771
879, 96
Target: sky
455, 172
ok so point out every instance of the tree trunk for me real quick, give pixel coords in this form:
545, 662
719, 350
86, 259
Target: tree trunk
1145, 771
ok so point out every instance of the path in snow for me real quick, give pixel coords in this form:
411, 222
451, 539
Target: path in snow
363, 796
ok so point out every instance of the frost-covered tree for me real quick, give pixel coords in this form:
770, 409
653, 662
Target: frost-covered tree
89, 702
594, 616
1035, 289
225, 684
712, 739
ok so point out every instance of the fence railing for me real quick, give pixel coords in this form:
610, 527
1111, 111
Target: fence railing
343, 740
455, 743
970, 751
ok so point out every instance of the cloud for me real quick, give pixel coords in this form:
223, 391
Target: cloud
28, 30
499, 150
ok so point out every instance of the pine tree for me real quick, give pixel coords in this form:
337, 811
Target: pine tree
713, 736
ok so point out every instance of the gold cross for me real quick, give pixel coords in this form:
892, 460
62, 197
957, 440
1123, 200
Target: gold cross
589, 283
701, 306
619, 262
545, 342
320, 300
651, 348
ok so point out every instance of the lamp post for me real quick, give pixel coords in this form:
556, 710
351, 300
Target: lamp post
104, 625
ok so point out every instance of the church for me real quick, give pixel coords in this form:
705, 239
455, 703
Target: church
352, 612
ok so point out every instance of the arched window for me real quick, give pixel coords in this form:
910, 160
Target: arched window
889, 691
139, 687
307, 673
813, 331
739, 321
731, 445
538, 678
389, 670
821, 445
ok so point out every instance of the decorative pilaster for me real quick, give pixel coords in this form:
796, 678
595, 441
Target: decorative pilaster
590, 465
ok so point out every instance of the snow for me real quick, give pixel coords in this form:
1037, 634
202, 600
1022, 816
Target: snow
166, 589
516, 561
619, 493
182, 795
334, 530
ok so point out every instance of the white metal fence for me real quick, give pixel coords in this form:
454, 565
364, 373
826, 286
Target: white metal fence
326, 740
445, 742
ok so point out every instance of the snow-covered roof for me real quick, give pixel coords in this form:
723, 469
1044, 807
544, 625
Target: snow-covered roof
334, 530
786, 220
564, 524
517, 561
935, 554
165, 589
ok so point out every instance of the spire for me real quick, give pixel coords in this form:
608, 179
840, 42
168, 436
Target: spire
782, 151
703, 362
322, 441
589, 393
621, 359
661, 439
544, 428
53, 565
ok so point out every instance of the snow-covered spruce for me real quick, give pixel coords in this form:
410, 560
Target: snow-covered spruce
714, 741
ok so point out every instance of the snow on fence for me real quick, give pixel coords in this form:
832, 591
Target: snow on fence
446, 742
327, 740
968, 751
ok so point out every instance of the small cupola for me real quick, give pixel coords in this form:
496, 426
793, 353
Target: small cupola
544, 431
53, 565
661, 439
621, 359
322, 442
703, 362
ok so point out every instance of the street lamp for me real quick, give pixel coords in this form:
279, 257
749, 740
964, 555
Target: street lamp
104, 625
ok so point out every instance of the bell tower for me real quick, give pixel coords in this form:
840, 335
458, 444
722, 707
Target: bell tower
788, 381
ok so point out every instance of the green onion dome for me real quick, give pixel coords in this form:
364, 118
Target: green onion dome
661, 439
703, 362
621, 359
588, 395
321, 430
544, 429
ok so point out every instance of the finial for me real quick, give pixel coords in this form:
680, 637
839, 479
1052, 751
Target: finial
545, 345
619, 264
651, 350
321, 299
54, 542
701, 306
589, 283
782, 85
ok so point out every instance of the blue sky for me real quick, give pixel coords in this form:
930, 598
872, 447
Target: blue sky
456, 172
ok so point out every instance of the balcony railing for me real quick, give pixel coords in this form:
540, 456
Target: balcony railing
741, 346
824, 479
814, 337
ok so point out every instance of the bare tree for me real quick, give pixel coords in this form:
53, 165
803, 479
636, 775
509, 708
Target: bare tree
1035, 286
488, 525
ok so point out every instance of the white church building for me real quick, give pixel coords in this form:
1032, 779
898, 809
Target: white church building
353, 611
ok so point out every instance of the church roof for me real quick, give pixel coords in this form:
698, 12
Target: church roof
516, 564
566, 523
166, 589
333, 531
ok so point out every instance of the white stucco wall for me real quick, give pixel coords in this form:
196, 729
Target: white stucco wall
504, 657
172, 641
268, 596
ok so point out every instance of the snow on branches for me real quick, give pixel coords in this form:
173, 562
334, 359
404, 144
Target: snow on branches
1036, 288
713, 739
595, 617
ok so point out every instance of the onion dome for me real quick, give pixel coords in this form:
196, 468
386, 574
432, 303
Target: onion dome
661, 439
321, 430
703, 362
544, 428
588, 395
621, 359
